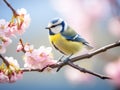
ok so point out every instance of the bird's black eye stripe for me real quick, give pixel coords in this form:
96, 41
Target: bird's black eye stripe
55, 25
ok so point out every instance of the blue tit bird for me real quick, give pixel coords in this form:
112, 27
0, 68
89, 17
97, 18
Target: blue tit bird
64, 38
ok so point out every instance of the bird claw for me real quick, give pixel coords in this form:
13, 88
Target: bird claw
60, 60
63, 63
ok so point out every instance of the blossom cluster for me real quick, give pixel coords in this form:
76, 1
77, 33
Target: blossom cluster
17, 26
12, 73
36, 58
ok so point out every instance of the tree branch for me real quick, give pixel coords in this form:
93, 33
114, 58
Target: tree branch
90, 54
21, 42
81, 57
13, 10
39, 70
87, 71
4, 60
95, 52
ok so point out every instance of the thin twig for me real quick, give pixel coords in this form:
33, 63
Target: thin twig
21, 42
29, 70
87, 71
38, 70
13, 10
95, 52
4, 60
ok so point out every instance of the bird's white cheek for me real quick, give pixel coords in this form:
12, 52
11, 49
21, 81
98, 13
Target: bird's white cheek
56, 29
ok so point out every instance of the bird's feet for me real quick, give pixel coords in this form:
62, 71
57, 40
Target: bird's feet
60, 59
63, 62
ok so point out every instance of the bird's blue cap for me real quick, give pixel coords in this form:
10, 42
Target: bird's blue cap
55, 20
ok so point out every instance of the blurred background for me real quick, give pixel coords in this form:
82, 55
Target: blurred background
97, 21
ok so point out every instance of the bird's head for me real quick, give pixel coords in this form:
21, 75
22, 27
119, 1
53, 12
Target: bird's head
56, 25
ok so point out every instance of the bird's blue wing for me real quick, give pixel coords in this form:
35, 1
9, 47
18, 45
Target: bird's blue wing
71, 35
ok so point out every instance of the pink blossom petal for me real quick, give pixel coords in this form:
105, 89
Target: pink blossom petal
39, 58
2, 49
3, 78
19, 47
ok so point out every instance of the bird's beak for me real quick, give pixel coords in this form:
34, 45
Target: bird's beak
47, 27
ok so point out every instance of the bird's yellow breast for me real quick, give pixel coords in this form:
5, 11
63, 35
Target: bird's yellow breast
65, 46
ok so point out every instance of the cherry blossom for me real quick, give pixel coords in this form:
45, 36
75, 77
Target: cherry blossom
2, 49
27, 47
13, 62
5, 29
15, 76
12, 73
39, 58
19, 47
20, 21
18, 24
3, 26
5, 41
3, 78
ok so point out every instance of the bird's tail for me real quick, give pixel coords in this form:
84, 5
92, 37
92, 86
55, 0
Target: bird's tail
89, 47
